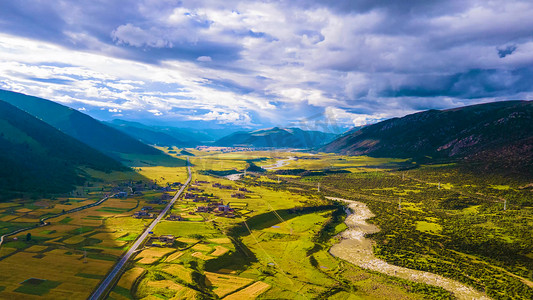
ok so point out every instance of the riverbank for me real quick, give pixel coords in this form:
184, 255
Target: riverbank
355, 248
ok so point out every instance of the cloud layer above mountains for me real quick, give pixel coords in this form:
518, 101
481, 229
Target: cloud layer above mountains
262, 63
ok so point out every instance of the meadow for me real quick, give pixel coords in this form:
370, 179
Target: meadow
438, 218
275, 243
247, 255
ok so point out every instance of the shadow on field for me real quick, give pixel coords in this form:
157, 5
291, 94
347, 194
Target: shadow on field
244, 257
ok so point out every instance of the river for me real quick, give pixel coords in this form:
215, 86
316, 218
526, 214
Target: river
280, 163
355, 248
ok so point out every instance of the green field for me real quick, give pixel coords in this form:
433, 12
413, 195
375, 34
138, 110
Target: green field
275, 243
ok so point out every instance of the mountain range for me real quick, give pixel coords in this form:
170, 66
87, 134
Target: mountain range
492, 135
38, 158
277, 138
84, 128
164, 135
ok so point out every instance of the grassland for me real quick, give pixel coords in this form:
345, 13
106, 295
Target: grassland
441, 220
246, 256
276, 244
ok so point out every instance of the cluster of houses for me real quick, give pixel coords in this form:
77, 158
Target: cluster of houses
145, 213
173, 217
123, 190
218, 209
195, 197
161, 241
221, 186
194, 193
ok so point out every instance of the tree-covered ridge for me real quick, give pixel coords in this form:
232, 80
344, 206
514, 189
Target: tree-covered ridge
78, 125
494, 136
37, 158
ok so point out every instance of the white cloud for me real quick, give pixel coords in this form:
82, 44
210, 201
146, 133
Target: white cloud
224, 117
204, 58
155, 112
342, 116
135, 36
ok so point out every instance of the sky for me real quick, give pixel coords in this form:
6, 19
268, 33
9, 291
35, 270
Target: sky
325, 65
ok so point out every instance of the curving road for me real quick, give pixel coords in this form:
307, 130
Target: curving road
106, 284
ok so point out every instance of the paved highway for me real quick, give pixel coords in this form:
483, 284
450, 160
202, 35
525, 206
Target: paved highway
100, 292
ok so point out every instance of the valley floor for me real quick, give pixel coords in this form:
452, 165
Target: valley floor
272, 234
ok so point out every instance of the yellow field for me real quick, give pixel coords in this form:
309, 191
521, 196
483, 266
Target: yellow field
202, 247
220, 240
164, 175
8, 218
165, 284
224, 283
249, 292
129, 277
151, 255
23, 265
173, 256
202, 256
179, 271
219, 250
74, 240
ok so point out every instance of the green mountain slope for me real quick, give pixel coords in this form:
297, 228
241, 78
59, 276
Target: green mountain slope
278, 138
37, 158
87, 130
493, 136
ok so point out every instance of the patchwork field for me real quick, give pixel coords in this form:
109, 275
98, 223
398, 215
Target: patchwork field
69, 254
266, 235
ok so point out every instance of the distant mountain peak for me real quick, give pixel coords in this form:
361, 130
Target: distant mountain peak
277, 137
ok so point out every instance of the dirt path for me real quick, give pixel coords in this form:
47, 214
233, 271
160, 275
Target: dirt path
357, 249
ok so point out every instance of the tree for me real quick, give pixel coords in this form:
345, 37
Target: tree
28, 237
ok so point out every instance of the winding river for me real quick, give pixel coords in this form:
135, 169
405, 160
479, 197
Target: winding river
355, 248
280, 163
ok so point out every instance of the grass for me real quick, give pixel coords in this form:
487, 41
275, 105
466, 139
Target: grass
184, 229
65, 220
146, 160
164, 175
289, 260
90, 276
428, 227
38, 287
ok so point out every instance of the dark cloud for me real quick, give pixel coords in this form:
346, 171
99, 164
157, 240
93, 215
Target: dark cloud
366, 57
503, 52
467, 85
35, 19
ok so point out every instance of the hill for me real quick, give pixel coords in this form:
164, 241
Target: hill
496, 135
37, 158
147, 134
85, 129
277, 138
167, 135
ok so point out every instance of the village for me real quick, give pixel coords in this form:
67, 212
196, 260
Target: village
200, 206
